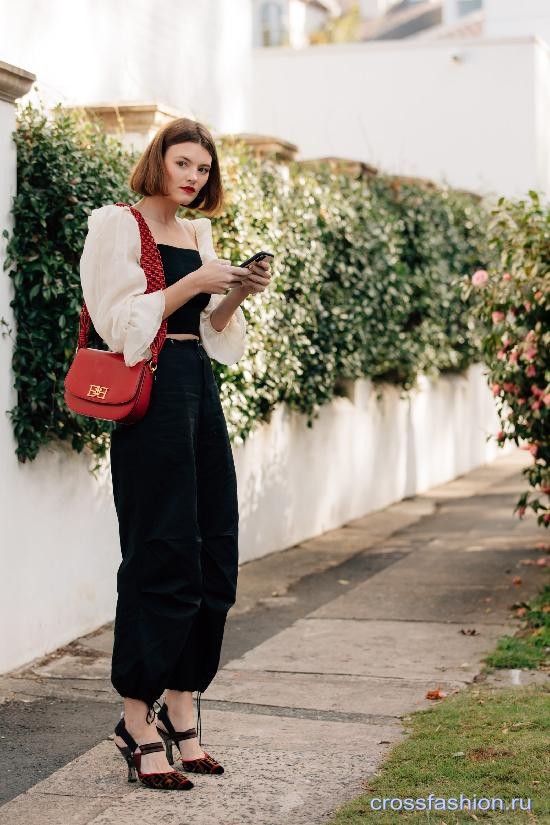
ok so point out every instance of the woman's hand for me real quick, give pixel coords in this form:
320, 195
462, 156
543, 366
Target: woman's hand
217, 276
257, 276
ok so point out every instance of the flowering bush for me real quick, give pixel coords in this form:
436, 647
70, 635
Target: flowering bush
512, 304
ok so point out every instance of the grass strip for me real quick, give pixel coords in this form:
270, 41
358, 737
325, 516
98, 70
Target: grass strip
479, 742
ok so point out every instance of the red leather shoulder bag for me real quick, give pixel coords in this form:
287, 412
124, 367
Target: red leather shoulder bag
98, 384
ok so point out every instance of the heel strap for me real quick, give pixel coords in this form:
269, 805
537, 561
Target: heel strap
121, 731
151, 747
174, 734
186, 734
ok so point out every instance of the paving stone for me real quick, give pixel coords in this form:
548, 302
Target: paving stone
465, 586
49, 809
74, 667
414, 650
339, 694
101, 640
275, 768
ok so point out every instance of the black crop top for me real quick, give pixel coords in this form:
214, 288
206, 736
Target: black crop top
178, 262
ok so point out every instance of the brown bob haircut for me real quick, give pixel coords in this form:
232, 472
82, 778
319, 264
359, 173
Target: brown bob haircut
147, 177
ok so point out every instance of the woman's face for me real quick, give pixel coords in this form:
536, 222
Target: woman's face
187, 167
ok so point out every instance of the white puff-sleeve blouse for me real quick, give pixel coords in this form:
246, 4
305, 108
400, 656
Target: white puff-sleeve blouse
114, 284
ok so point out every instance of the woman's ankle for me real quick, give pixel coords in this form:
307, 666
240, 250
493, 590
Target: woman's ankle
179, 703
138, 721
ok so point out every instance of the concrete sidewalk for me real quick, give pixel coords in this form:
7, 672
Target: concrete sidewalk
331, 642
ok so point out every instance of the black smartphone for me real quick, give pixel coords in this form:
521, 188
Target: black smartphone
259, 256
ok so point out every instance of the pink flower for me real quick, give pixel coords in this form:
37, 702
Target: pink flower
546, 518
500, 436
533, 449
508, 386
531, 371
522, 401
536, 390
496, 389
497, 317
521, 511
530, 353
538, 295
501, 355
480, 277
506, 277
546, 399
527, 305
535, 405
513, 356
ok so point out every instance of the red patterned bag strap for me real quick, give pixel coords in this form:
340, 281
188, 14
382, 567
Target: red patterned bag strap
151, 263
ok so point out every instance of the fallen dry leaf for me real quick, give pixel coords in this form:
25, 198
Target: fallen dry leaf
516, 579
521, 611
470, 631
435, 694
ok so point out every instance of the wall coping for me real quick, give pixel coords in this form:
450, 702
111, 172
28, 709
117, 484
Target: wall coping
266, 145
137, 117
14, 82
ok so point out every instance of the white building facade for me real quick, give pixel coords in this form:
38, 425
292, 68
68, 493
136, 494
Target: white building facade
471, 112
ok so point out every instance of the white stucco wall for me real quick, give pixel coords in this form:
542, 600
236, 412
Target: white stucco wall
465, 113
192, 56
512, 18
60, 547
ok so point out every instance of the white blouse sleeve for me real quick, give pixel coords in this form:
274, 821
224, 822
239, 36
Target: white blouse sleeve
114, 284
228, 345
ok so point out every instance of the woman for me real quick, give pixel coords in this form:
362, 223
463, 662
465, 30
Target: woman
174, 481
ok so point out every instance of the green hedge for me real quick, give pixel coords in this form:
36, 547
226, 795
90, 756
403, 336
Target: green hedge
512, 306
367, 277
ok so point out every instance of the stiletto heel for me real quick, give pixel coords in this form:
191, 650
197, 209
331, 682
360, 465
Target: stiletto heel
127, 754
168, 745
170, 736
166, 780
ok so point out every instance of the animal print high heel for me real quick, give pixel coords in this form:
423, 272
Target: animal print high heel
165, 781
170, 737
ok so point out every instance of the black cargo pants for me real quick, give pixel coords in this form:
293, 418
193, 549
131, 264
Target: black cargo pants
175, 494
